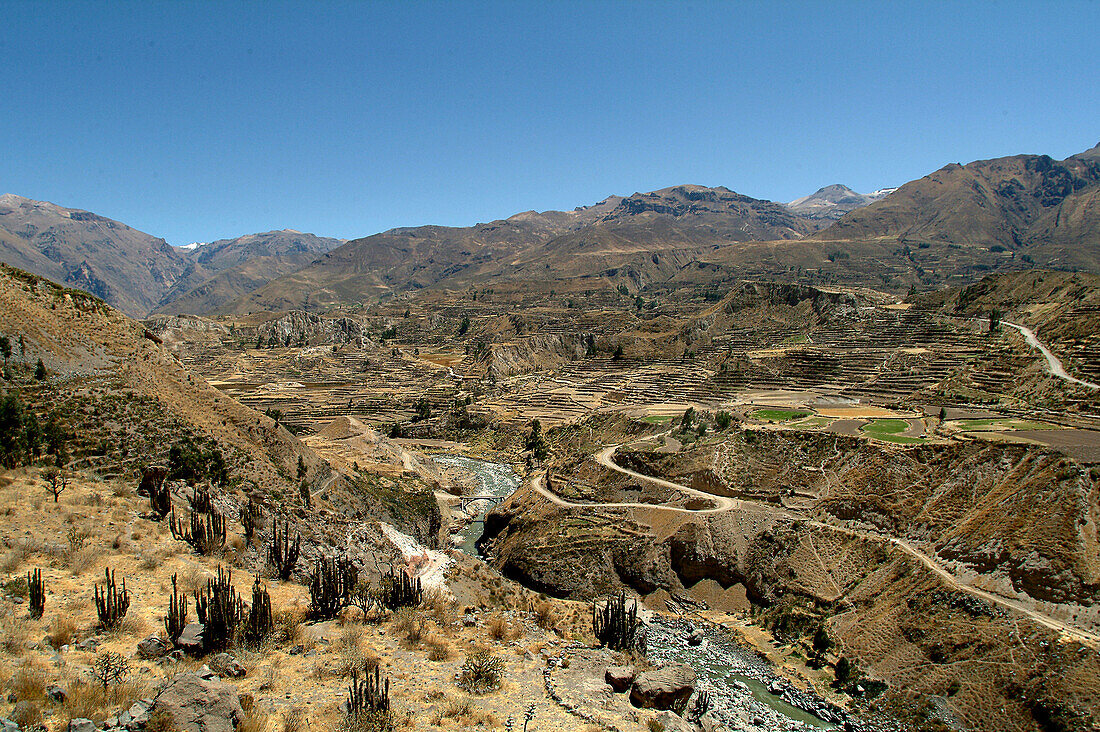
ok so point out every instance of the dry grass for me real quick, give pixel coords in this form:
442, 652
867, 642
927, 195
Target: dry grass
501, 628
442, 607
545, 615
62, 630
29, 682
27, 715
14, 632
296, 721
83, 560
193, 578
288, 627
439, 649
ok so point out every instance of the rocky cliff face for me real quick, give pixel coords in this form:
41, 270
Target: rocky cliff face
298, 328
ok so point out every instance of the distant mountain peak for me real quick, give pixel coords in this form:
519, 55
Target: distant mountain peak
833, 201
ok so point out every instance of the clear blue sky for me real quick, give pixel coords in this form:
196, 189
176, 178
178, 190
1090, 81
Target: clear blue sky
196, 121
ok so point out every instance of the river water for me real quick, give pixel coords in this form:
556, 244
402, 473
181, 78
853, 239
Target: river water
494, 479
737, 680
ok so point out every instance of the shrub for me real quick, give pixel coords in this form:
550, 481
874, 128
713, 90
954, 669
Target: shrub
26, 713
28, 683
410, 623
439, 649
482, 672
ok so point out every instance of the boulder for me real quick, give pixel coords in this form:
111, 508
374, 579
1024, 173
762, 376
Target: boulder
619, 677
225, 665
56, 694
190, 639
199, 705
80, 724
668, 687
152, 647
672, 722
696, 637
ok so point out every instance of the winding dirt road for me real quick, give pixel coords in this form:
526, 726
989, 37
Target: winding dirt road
1054, 366
605, 457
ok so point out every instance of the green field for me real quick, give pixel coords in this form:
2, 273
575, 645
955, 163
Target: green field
813, 422
889, 430
779, 415
658, 418
979, 425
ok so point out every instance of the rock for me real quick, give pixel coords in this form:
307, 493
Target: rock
619, 677
8, 726
672, 722
225, 665
190, 639
696, 638
297, 650
469, 620
152, 647
667, 687
56, 694
12, 697
80, 724
205, 672
199, 705
88, 644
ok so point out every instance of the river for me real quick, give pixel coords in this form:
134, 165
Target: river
494, 479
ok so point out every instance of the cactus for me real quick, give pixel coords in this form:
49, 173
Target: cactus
201, 501
615, 625
399, 590
176, 619
36, 593
282, 553
111, 604
160, 498
220, 610
258, 626
155, 483
369, 700
252, 518
206, 532
330, 587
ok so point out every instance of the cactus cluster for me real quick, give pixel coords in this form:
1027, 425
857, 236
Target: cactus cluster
614, 624
111, 603
369, 700
331, 586
36, 593
258, 626
176, 619
252, 518
398, 590
283, 554
220, 611
206, 531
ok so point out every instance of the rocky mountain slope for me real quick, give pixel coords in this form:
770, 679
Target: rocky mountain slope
637, 239
81, 339
1019, 205
127, 268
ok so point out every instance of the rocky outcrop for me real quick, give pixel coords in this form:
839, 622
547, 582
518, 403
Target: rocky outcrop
668, 687
300, 328
199, 705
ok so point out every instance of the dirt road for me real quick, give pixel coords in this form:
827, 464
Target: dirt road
605, 457
1053, 364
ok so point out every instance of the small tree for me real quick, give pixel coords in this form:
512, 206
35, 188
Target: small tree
303, 491
56, 481
994, 320
40, 371
688, 418
5, 349
110, 668
302, 469
618, 354
723, 419
843, 670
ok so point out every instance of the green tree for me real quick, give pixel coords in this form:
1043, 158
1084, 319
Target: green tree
464, 326
688, 418
5, 348
618, 352
301, 467
843, 670
723, 419
40, 371
423, 409
12, 434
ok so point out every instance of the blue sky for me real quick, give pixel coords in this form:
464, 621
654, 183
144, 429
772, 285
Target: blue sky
196, 121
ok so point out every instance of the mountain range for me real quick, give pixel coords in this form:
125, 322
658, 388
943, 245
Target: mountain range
951, 226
